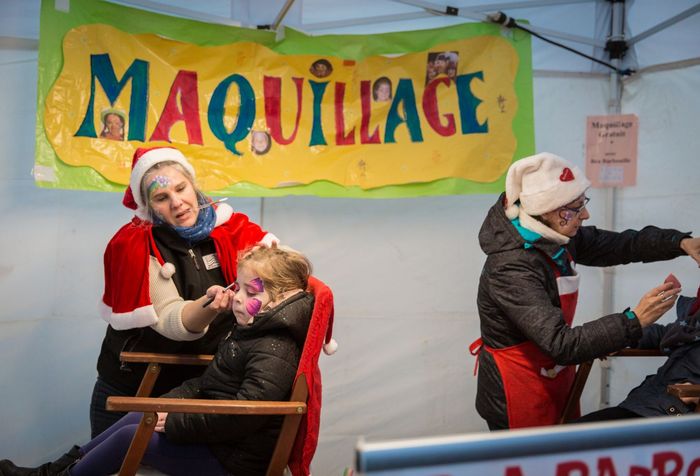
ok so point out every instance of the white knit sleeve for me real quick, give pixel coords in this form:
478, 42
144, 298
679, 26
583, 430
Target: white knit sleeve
168, 305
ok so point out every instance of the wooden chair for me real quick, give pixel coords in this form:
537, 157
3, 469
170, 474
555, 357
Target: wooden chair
582, 372
297, 441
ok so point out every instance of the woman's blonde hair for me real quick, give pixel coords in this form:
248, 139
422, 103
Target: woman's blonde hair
281, 268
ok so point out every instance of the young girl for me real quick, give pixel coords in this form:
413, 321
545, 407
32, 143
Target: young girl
256, 361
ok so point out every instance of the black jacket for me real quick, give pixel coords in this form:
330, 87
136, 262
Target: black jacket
256, 362
518, 298
683, 365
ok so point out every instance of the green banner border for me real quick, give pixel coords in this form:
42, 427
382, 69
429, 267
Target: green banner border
55, 24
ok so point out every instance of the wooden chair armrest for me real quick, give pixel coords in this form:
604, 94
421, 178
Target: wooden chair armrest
152, 357
684, 390
189, 405
638, 353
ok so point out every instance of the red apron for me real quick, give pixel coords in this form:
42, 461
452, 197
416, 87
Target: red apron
535, 387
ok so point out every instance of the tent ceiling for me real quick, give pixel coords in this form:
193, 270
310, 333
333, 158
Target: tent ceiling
659, 32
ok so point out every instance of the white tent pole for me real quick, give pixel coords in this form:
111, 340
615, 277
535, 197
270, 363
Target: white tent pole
665, 24
617, 34
280, 16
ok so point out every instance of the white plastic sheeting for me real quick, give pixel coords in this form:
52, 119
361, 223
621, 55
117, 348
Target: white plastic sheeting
404, 271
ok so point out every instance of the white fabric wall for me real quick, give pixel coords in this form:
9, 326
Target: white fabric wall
404, 273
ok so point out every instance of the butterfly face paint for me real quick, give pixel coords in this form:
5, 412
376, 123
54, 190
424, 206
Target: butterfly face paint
257, 285
253, 306
250, 297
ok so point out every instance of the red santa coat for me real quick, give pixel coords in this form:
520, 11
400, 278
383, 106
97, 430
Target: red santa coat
126, 302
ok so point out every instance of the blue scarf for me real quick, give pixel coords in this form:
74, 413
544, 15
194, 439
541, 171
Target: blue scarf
206, 219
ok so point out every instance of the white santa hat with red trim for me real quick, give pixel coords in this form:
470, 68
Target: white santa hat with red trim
144, 159
542, 183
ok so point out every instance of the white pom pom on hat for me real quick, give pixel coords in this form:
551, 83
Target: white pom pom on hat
330, 347
542, 183
144, 159
167, 270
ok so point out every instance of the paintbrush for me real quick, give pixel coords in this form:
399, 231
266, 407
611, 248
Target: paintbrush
211, 300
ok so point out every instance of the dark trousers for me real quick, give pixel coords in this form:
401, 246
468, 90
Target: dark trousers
101, 419
104, 455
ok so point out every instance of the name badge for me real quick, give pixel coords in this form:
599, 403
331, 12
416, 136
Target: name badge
211, 261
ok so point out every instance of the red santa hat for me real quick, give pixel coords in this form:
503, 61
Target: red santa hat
542, 183
144, 159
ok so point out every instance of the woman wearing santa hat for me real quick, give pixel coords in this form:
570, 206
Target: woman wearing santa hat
533, 238
159, 269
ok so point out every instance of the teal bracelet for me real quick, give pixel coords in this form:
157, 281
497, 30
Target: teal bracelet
629, 313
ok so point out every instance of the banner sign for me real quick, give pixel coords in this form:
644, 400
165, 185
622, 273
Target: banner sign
660, 446
364, 116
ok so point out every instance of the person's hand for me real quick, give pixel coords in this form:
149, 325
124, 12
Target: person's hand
655, 303
689, 400
160, 424
221, 296
692, 248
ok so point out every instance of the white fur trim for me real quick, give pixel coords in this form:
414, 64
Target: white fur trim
568, 284
269, 238
145, 162
141, 317
223, 213
330, 347
512, 211
526, 221
167, 270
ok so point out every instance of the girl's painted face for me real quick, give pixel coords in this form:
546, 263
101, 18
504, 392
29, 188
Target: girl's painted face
568, 219
250, 296
172, 196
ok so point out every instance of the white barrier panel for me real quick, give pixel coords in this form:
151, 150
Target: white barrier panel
664, 446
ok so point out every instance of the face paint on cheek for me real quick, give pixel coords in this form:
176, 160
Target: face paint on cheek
257, 285
159, 181
253, 306
566, 216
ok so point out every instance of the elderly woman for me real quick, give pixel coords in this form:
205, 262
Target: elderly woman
533, 237
159, 269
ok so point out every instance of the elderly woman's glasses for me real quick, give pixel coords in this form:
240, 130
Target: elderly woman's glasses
578, 210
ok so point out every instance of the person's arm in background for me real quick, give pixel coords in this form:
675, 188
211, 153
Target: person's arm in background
595, 247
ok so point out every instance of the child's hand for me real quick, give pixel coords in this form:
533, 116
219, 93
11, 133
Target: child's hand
160, 424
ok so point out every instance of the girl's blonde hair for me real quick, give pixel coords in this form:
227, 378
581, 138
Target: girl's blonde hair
281, 269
